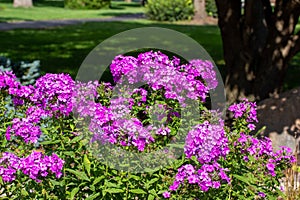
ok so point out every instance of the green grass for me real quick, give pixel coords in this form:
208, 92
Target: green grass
54, 9
64, 49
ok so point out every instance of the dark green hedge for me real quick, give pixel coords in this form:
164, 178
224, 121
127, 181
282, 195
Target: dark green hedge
169, 10
86, 4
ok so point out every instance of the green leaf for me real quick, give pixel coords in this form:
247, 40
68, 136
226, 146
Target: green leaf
72, 127
74, 192
92, 187
50, 142
241, 197
111, 185
24, 192
80, 175
94, 196
149, 183
98, 179
151, 197
137, 191
152, 181
153, 192
177, 145
104, 193
2, 130
44, 130
69, 153
137, 178
87, 164
55, 183
164, 119
75, 139
242, 178
114, 190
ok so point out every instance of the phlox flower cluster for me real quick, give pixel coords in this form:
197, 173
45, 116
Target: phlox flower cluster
207, 176
200, 75
160, 72
54, 92
36, 166
207, 143
8, 80
50, 96
84, 104
258, 148
116, 124
55, 95
262, 148
132, 131
111, 124
142, 94
116, 121
51, 92
245, 109
27, 127
126, 129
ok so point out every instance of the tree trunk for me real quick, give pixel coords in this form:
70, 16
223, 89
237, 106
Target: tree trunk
128, 1
257, 45
23, 3
200, 12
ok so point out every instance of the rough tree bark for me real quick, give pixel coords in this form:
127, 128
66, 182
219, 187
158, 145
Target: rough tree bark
200, 12
258, 43
23, 3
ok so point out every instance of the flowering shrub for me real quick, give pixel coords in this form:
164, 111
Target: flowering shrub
35, 165
45, 137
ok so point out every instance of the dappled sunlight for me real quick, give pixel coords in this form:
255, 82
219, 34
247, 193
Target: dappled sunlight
281, 117
64, 49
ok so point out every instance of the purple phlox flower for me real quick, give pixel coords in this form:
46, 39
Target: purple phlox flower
207, 176
261, 194
246, 109
207, 142
54, 92
35, 165
8, 80
166, 194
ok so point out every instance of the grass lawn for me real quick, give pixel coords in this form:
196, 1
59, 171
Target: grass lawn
54, 9
64, 49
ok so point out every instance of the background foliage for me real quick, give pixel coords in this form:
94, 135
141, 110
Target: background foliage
211, 8
86, 4
169, 10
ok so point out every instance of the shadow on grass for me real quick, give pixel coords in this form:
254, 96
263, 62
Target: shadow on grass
64, 49
116, 14
132, 5
6, 19
6, 1
49, 3
116, 8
